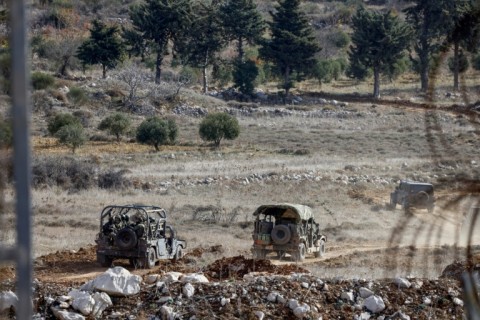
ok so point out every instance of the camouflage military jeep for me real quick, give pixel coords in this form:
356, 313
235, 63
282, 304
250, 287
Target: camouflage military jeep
136, 232
286, 229
411, 194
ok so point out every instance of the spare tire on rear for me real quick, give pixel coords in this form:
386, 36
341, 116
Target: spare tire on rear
126, 239
281, 234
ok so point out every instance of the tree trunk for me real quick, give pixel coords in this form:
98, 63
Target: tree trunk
423, 55
240, 49
376, 82
456, 66
63, 67
104, 71
286, 83
204, 76
158, 66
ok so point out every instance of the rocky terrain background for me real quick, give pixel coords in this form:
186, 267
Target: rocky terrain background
230, 288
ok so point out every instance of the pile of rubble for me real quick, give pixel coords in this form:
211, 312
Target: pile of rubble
228, 289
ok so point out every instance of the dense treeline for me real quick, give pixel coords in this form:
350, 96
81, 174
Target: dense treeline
284, 45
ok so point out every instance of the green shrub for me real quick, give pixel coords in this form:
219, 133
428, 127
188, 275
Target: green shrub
42, 81
59, 120
71, 135
113, 180
77, 95
156, 132
116, 124
66, 173
217, 126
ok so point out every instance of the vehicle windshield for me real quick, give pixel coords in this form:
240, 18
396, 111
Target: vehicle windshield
426, 188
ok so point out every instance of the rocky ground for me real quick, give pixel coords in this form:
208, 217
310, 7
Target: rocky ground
230, 288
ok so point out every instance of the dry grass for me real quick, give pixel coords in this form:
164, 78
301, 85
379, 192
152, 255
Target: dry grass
370, 143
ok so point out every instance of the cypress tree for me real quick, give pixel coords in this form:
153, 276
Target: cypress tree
104, 47
379, 41
160, 21
292, 45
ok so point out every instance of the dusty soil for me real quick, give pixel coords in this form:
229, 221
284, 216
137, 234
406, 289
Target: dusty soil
58, 272
344, 165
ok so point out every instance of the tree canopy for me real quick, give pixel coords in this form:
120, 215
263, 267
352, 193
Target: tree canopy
242, 22
116, 124
156, 132
205, 38
160, 21
292, 45
104, 47
379, 41
430, 22
218, 126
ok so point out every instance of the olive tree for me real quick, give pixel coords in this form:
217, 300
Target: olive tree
156, 132
71, 135
59, 120
217, 126
116, 124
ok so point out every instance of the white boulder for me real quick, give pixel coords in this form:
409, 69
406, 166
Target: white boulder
259, 314
194, 278
293, 304
167, 313
171, 276
7, 299
272, 296
224, 301
347, 296
82, 301
188, 290
458, 302
374, 304
365, 292
151, 278
402, 282
62, 314
102, 302
301, 311
115, 281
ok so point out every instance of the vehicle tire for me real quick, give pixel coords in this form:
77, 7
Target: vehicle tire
422, 198
104, 261
299, 255
178, 254
281, 234
280, 254
259, 254
393, 202
150, 259
321, 252
126, 239
132, 262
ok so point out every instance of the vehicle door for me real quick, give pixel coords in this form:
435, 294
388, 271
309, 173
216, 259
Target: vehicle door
402, 192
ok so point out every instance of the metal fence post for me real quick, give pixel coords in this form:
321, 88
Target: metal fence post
21, 157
